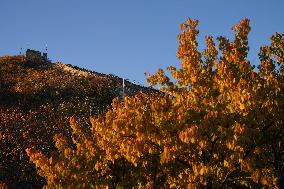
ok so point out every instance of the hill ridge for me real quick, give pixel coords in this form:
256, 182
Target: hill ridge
37, 98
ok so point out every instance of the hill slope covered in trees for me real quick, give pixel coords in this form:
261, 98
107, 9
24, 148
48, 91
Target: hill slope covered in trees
36, 100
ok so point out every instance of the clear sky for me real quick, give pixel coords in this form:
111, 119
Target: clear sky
127, 37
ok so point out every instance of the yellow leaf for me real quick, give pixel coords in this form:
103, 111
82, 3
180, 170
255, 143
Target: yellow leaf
242, 106
226, 164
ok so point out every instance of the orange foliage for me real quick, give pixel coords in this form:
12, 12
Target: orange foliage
219, 124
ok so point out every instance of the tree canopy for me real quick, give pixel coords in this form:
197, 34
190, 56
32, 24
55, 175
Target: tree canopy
217, 124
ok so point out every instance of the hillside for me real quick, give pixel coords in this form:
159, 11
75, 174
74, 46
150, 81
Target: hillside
36, 100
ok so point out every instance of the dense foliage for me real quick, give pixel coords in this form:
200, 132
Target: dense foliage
36, 102
219, 124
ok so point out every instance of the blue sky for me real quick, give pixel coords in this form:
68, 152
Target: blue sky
127, 37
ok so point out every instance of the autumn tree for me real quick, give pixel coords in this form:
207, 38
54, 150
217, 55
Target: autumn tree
217, 124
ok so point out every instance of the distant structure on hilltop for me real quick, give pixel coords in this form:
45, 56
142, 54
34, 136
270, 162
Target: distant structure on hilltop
33, 55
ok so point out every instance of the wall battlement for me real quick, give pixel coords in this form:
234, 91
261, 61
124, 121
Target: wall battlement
33, 55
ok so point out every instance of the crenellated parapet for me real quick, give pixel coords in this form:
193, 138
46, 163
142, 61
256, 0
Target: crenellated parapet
33, 55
